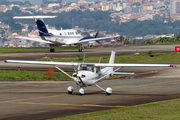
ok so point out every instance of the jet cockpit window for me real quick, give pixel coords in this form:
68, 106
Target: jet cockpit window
87, 67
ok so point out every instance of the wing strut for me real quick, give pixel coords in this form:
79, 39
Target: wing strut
63, 71
106, 75
100, 88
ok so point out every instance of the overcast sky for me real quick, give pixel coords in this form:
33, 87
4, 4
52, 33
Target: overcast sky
39, 1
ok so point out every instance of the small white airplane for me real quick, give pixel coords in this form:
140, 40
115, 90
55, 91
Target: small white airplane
59, 37
88, 74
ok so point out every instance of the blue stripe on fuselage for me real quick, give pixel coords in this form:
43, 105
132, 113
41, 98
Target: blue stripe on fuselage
85, 38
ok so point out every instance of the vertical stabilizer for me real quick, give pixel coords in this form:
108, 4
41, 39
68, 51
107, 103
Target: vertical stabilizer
112, 58
40, 23
41, 27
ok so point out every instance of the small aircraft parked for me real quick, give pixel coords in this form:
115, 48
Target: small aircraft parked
60, 37
88, 74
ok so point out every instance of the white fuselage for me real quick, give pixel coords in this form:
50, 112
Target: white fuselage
89, 77
68, 36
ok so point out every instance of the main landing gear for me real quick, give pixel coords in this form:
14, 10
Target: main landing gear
108, 90
81, 49
52, 50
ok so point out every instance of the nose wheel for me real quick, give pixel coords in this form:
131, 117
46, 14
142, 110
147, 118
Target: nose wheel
81, 91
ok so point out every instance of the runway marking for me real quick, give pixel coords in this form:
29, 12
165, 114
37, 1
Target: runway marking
65, 104
11, 90
32, 98
160, 83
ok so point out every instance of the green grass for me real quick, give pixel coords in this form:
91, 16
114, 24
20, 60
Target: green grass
141, 58
19, 49
14, 75
168, 110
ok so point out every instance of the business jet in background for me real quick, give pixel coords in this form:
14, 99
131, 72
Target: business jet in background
88, 74
59, 37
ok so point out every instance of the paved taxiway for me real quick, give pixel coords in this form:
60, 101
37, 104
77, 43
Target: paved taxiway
49, 99
90, 52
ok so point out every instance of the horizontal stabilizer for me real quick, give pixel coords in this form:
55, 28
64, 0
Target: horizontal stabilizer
35, 39
32, 17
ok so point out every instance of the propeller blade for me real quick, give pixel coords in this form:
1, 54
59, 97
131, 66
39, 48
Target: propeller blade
81, 81
98, 42
96, 34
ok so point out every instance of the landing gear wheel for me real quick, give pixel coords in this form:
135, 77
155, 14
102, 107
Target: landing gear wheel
70, 89
52, 50
108, 91
81, 91
70, 92
81, 49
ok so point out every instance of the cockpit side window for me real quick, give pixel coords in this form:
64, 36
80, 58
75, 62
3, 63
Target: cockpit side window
87, 67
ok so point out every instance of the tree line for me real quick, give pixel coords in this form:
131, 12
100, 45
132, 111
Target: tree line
96, 20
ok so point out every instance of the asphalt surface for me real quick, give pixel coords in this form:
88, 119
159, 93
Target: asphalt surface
49, 99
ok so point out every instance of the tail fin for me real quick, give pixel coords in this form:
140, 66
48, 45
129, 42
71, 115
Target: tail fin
41, 27
112, 58
39, 22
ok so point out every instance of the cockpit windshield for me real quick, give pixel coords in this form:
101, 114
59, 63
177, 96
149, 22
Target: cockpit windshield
87, 67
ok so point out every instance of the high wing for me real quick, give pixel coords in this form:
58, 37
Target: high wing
95, 64
33, 17
132, 65
35, 39
42, 62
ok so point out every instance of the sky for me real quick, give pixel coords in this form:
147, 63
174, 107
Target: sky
39, 1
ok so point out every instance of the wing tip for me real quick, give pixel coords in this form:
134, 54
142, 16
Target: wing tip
172, 66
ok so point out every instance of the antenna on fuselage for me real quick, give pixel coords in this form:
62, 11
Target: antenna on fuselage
84, 58
99, 59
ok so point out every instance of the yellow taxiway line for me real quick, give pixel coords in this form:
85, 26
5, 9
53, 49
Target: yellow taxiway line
19, 101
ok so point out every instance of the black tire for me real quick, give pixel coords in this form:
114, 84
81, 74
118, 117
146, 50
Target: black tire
52, 50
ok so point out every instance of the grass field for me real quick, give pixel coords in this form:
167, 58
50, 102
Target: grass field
141, 58
168, 110
14, 75
19, 49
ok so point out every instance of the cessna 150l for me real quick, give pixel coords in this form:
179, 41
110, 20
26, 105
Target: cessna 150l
59, 37
88, 74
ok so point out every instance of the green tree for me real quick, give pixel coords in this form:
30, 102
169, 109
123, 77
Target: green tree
27, 3
2, 33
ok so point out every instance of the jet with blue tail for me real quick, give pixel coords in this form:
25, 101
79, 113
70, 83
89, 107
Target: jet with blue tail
59, 37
